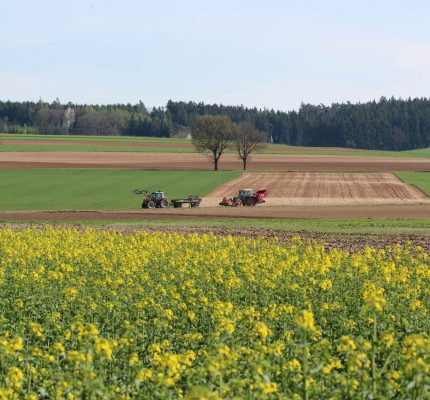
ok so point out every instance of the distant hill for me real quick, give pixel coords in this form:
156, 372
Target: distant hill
387, 124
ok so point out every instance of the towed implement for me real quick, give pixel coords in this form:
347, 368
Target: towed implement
191, 201
246, 197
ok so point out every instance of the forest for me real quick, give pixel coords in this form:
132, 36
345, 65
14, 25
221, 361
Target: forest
387, 124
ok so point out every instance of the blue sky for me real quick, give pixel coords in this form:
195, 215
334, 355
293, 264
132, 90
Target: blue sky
267, 53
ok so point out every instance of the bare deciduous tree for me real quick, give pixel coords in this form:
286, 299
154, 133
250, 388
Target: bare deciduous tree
247, 140
213, 134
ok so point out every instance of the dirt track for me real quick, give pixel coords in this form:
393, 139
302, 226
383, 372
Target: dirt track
307, 212
190, 161
322, 188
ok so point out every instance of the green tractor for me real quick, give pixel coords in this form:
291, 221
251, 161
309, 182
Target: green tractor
246, 197
154, 199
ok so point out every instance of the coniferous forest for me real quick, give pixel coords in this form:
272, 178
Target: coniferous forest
387, 124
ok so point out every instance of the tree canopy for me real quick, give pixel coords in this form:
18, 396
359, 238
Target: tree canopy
247, 140
213, 134
387, 124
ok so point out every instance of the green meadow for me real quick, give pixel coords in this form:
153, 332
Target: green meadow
98, 189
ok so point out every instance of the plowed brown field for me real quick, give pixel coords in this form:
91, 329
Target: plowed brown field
322, 188
187, 161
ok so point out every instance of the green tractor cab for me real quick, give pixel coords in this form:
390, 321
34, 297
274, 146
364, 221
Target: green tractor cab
246, 197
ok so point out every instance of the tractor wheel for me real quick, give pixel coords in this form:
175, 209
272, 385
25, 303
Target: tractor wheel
164, 203
238, 203
151, 204
251, 201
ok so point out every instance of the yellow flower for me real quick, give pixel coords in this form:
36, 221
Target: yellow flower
415, 305
261, 330
134, 359
144, 375
333, 364
103, 347
305, 320
15, 377
388, 339
14, 345
346, 344
268, 387
373, 297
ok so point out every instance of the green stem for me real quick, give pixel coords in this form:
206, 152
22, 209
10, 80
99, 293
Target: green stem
375, 342
305, 373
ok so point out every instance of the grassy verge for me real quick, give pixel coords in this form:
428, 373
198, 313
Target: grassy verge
359, 226
420, 179
98, 189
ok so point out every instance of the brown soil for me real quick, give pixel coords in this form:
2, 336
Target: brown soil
319, 188
259, 212
187, 161
344, 241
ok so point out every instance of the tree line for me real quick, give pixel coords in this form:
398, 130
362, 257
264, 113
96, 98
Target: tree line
387, 124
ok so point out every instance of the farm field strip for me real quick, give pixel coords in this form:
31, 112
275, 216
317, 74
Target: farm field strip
419, 179
90, 138
133, 314
194, 161
95, 189
344, 212
134, 144
322, 188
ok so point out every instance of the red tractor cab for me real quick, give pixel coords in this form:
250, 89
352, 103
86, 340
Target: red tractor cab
154, 199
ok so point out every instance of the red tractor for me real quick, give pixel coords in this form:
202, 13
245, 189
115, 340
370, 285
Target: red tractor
154, 199
246, 197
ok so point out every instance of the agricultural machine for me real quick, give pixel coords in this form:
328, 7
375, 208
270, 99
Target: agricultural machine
191, 200
246, 197
154, 199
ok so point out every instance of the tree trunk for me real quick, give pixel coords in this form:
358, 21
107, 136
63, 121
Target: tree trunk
245, 160
216, 163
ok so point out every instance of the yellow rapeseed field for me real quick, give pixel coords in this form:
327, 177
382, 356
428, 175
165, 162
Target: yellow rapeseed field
98, 315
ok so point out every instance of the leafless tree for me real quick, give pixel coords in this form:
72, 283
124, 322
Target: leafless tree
247, 140
213, 134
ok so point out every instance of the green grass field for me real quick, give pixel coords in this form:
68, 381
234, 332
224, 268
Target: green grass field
97, 148
92, 138
420, 179
98, 189
169, 146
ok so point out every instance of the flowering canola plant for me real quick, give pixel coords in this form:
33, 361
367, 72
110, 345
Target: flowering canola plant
97, 315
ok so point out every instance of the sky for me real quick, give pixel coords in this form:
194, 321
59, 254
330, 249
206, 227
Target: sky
263, 53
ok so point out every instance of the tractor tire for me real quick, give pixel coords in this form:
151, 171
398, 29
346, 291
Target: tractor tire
164, 203
251, 201
150, 204
238, 203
